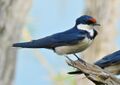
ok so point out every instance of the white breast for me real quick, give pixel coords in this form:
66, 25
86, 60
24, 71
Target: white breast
82, 45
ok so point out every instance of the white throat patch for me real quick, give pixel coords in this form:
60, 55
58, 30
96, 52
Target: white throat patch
86, 28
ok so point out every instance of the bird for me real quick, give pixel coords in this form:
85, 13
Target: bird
110, 62
71, 41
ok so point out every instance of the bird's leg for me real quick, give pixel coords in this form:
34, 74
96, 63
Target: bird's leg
68, 58
79, 59
70, 62
76, 56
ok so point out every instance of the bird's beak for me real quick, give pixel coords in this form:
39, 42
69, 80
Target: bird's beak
97, 24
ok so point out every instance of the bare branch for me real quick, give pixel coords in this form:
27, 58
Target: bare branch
94, 73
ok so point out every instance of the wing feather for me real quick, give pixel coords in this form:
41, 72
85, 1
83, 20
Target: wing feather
59, 39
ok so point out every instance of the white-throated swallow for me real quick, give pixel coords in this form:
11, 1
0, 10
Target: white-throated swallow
72, 41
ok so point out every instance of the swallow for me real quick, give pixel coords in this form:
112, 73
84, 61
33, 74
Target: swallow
71, 41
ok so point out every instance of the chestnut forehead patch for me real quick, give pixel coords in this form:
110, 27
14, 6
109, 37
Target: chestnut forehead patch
92, 20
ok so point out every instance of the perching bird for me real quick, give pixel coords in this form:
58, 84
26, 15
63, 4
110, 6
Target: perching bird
71, 41
111, 63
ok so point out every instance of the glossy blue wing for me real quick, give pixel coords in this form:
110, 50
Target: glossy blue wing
108, 60
65, 38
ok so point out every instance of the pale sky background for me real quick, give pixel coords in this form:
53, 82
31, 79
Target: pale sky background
45, 18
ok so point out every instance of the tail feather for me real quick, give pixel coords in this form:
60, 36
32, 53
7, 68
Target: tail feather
75, 72
27, 45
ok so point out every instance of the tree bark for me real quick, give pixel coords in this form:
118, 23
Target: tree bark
94, 73
12, 18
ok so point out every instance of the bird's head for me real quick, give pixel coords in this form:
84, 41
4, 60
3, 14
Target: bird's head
86, 20
86, 23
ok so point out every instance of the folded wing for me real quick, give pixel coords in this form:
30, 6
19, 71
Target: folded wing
109, 60
52, 41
